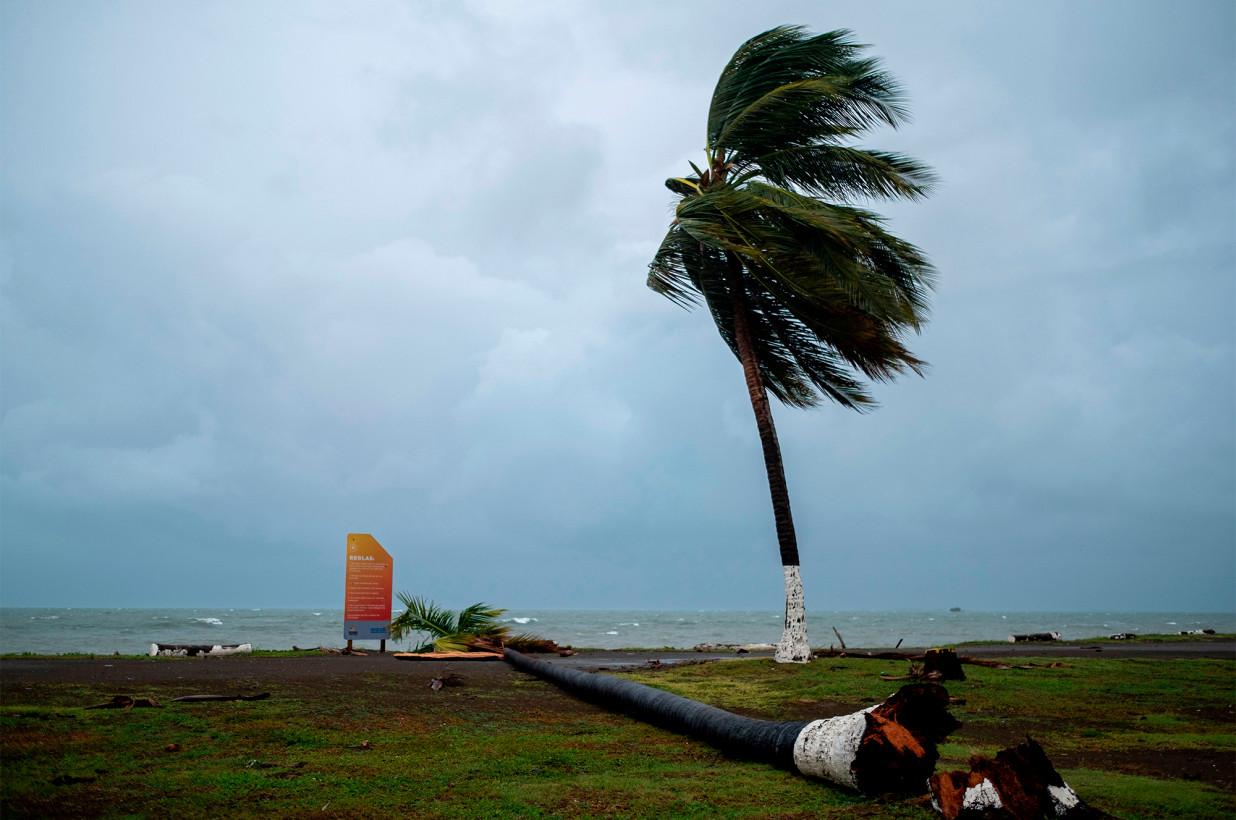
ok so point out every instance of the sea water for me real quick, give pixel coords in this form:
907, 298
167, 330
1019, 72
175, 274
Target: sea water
131, 631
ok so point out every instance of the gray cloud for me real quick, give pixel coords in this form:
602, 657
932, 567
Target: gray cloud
275, 274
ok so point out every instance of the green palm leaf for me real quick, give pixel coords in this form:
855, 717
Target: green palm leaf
442, 629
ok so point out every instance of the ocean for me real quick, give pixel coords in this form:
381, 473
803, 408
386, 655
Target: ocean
131, 631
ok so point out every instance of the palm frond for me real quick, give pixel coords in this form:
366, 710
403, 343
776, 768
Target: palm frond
785, 85
481, 619
444, 630
843, 173
828, 292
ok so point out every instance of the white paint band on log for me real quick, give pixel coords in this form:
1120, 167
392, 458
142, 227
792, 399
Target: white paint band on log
827, 748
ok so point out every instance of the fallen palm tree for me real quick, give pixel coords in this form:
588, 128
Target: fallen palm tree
889, 747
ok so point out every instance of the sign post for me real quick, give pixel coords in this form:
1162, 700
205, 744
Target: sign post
367, 593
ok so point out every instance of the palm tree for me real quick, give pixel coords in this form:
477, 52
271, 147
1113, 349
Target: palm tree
807, 289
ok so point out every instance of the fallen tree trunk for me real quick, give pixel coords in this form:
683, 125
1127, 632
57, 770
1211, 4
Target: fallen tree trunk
1020, 784
890, 747
1034, 637
195, 649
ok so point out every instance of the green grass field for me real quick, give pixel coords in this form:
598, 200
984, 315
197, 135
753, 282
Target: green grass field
1138, 738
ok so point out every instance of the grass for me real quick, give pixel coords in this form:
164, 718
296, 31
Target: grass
1122, 732
1122, 718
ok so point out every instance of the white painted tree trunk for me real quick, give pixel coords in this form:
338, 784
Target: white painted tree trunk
793, 647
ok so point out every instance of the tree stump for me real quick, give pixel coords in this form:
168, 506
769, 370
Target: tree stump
942, 662
1020, 784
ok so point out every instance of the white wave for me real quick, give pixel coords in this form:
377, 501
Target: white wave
317, 613
631, 624
518, 620
211, 621
611, 633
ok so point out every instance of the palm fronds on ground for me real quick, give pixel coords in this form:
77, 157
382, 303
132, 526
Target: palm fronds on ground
444, 630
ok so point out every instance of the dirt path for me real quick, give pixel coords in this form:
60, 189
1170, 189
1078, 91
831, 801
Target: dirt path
124, 672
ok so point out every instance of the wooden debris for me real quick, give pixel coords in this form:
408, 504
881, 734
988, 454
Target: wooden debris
333, 650
70, 780
125, 702
193, 650
740, 648
260, 764
942, 664
840, 639
1020, 784
363, 746
447, 679
214, 698
1035, 637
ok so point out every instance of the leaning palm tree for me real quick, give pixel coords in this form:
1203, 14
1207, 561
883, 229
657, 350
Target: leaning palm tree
807, 289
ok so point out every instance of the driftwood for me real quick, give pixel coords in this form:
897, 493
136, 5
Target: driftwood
890, 747
333, 650
215, 698
1034, 637
125, 702
192, 650
840, 639
1020, 784
740, 648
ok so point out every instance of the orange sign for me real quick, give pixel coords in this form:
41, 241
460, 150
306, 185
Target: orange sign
367, 594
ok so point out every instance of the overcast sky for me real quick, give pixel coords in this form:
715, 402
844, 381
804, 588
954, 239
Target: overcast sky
277, 272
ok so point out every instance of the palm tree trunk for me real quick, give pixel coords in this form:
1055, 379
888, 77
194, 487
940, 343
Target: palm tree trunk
793, 647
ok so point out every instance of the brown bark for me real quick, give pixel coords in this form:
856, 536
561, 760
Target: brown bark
787, 542
898, 750
1027, 785
943, 662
